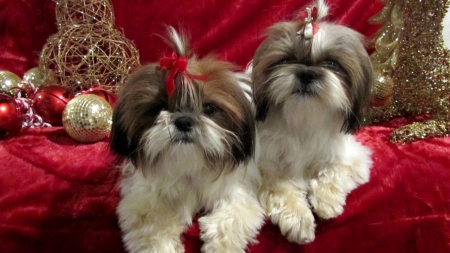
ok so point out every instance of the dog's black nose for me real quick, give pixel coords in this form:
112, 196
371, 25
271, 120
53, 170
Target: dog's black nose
184, 123
307, 76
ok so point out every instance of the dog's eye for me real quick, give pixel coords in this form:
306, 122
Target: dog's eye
286, 61
332, 65
155, 110
209, 109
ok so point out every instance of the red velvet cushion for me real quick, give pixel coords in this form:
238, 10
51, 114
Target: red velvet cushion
57, 195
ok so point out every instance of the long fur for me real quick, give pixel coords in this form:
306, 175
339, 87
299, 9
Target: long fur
310, 96
187, 152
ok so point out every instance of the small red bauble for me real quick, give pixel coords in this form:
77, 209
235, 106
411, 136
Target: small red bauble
106, 95
10, 117
49, 103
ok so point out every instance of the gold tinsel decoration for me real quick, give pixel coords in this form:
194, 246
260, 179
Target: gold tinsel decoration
384, 59
88, 51
422, 73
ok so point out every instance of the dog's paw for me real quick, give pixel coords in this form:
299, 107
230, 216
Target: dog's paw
326, 199
296, 227
290, 210
155, 245
219, 236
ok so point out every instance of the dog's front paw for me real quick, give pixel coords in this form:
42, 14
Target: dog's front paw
157, 245
292, 214
296, 227
222, 234
326, 198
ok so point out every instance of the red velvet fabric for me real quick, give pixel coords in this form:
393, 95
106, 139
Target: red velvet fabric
57, 195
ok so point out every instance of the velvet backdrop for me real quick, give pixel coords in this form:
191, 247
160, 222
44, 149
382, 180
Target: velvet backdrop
57, 195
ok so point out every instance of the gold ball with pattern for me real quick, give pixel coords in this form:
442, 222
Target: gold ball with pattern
9, 81
34, 76
88, 118
382, 89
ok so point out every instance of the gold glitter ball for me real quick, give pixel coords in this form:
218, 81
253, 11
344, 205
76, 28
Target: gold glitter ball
34, 76
87, 118
8, 81
381, 90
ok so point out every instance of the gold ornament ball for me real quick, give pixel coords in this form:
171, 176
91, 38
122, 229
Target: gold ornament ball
34, 76
382, 89
8, 81
87, 118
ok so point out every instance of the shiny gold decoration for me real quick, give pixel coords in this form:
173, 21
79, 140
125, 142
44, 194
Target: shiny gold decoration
87, 118
88, 51
36, 77
422, 73
8, 81
384, 59
420, 131
382, 89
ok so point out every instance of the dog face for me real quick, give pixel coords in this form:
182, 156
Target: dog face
330, 72
210, 118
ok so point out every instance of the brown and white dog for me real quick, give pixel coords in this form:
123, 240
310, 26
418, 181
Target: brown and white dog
311, 84
188, 129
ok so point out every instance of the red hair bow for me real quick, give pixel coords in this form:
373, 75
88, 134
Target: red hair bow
311, 28
176, 65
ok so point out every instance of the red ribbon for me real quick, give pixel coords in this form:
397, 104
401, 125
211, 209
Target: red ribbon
309, 15
176, 65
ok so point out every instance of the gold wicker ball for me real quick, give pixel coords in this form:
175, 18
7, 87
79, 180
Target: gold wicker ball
84, 12
87, 118
87, 51
82, 57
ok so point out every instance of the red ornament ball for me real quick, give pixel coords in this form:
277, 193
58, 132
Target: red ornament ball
103, 93
49, 103
10, 117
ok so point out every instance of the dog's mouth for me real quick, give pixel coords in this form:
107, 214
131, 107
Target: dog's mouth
182, 138
305, 90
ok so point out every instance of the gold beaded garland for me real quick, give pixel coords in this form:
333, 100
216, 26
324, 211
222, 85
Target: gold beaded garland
87, 118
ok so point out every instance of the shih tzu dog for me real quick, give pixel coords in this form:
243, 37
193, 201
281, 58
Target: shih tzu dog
187, 128
311, 84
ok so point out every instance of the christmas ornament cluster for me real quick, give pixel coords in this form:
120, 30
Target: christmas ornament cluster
81, 68
29, 102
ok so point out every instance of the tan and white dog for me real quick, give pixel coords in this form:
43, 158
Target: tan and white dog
311, 84
187, 129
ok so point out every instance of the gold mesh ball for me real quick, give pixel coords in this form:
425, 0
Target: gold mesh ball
87, 51
82, 58
87, 118
84, 12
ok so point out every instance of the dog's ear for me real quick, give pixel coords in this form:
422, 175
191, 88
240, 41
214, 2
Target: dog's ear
262, 107
119, 141
140, 101
360, 97
244, 150
260, 97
